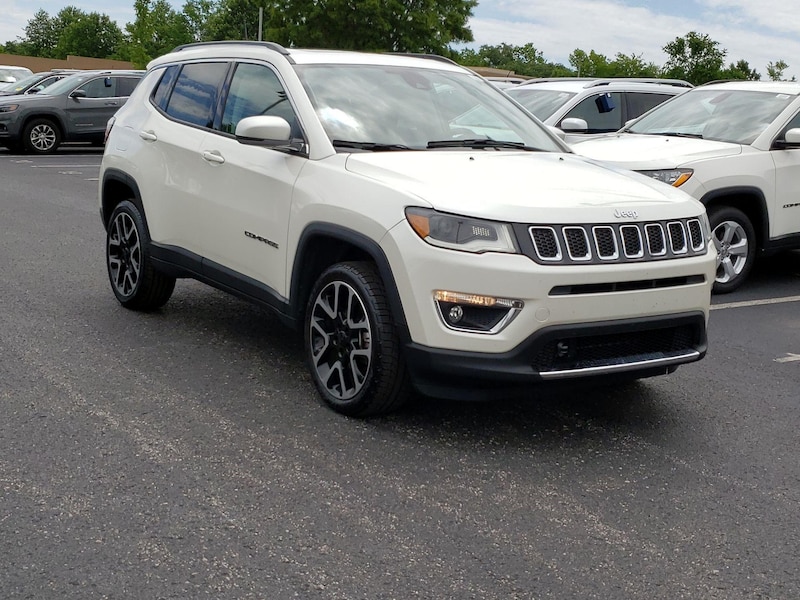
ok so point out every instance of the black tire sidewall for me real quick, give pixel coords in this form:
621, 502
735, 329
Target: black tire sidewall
363, 278
132, 211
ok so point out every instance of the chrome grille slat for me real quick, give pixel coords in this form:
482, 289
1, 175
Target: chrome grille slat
577, 243
617, 242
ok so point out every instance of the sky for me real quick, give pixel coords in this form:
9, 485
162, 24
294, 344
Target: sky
758, 31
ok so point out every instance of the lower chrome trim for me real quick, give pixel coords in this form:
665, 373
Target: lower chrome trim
621, 368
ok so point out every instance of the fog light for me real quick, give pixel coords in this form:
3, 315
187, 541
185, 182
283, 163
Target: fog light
456, 314
474, 312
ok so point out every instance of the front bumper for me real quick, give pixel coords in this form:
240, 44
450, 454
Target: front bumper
620, 349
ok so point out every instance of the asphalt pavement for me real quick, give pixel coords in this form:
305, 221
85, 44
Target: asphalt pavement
184, 454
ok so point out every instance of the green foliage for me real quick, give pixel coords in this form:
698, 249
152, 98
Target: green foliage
695, 57
430, 26
157, 29
522, 60
740, 70
370, 25
775, 70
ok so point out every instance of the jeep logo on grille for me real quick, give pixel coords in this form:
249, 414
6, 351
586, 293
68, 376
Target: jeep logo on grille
625, 214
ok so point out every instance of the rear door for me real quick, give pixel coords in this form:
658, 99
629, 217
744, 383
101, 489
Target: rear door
88, 115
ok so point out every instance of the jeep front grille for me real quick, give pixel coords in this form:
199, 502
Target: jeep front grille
607, 243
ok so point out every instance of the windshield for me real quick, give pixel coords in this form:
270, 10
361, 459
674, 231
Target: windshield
393, 108
542, 103
21, 84
736, 116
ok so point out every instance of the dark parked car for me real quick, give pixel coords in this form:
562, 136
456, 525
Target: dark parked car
75, 109
33, 84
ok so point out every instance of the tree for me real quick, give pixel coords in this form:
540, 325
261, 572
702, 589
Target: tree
775, 70
590, 65
157, 29
376, 25
741, 70
198, 14
41, 36
633, 66
92, 35
695, 57
522, 60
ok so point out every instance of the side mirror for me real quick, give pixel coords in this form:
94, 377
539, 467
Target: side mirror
78, 94
264, 128
791, 139
574, 125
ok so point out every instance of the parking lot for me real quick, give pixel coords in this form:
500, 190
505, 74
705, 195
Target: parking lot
184, 453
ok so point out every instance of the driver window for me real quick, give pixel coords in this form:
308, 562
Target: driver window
101, 87
256, 90
601, 112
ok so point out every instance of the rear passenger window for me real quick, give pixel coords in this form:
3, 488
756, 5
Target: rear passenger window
164, 87
256, 90
640, 102
194, 97
125, 86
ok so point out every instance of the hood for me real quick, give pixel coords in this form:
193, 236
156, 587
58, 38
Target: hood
642, 152
22, 98
522, 186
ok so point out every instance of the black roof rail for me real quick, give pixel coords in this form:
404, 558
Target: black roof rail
607, 80
599, 81
271, 45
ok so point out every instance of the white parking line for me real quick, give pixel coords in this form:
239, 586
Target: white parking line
756, 302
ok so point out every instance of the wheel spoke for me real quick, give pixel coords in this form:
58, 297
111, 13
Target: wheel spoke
740, 248
340, 340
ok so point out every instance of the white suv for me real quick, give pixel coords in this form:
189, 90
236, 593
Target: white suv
581, 107
736, 147
372, 202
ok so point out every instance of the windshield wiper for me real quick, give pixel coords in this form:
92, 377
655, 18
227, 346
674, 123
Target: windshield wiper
481, 143
696, 136
371, 146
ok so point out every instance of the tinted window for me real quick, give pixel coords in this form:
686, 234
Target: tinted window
194, 98
125, 85
640, 102
601, 112
164, 87
255, 90
100, 87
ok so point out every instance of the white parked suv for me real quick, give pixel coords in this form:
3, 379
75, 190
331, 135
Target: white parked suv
581, 107
367, 199
735, 146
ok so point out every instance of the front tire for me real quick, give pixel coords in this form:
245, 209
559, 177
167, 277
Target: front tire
41, 136
735, 240
135, 281
351, 345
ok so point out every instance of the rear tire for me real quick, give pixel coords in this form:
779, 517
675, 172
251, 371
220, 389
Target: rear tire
351, 346
735, 240
135, 281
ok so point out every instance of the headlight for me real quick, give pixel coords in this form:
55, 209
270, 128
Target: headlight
461, 233
673, 177
9, 108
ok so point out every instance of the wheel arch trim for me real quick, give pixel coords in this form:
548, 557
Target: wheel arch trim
301, 281
761, 225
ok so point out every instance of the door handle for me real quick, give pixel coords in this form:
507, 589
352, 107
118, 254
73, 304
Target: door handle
111, 103
148, 136
213, 156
